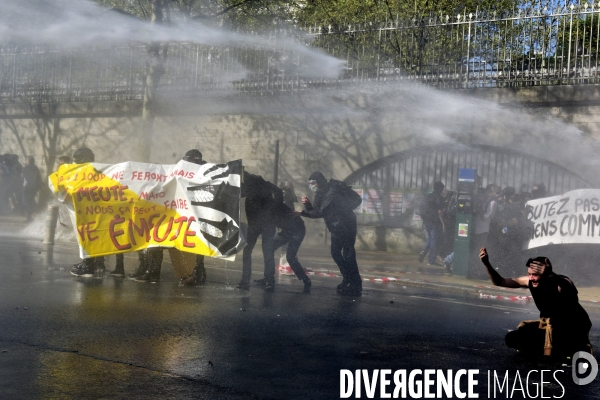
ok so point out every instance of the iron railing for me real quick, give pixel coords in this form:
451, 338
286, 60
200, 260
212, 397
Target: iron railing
481, 49
471, 49
393, 184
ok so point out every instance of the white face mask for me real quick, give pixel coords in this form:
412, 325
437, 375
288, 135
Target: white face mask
312, 185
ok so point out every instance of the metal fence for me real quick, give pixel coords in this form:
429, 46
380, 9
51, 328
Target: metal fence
481, 49
393, 184
471, 49
418, 169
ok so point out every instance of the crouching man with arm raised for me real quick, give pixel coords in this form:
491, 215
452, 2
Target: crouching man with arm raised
563, 327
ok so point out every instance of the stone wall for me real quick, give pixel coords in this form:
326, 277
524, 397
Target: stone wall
336, 133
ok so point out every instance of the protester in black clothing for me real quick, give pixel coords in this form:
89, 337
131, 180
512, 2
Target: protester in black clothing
15, 182
432, 214
4, 186
333, 203
538, 191
564, 325
292, 233
198, 276
510, 222
261, 197
32, 181
449, 218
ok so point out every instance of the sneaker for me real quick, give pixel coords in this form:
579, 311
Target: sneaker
192, 280
79, 265
243, 286
307, 285
269, 286
421, 256
85, 271
148, 277
434, 263
118, 272
100, 268
77, 270
137, 273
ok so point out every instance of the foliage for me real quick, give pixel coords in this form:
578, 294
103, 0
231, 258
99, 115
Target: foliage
245, 14
340, 12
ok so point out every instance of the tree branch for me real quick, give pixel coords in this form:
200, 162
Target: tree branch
223, 11
143, 9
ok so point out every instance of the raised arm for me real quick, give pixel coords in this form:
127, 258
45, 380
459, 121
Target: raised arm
496, 278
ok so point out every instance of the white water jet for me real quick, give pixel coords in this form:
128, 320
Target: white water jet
80, 23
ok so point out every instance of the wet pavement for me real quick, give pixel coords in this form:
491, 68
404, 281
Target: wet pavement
68, 337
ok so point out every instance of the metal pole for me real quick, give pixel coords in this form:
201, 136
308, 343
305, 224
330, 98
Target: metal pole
468, 50
51, 221
276, 166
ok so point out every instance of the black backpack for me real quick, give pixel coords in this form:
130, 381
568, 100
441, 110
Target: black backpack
428, 209
348, 198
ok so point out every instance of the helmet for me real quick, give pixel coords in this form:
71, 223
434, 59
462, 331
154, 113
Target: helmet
83, 155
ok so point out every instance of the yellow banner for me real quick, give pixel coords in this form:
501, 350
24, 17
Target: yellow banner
131, 206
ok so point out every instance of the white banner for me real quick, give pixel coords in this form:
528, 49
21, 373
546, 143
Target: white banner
131, 206
573, 217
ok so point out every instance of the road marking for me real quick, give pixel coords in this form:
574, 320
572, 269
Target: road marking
501, 308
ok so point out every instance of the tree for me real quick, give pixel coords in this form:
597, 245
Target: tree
157, 54
246, 14
253, 14
339, 12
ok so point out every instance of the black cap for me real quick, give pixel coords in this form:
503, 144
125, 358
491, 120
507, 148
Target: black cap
83, 155
193, 156
193, 153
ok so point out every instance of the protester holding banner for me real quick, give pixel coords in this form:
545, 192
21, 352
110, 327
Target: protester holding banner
261, 197
198, 276
135, 206
92, 266
563, 327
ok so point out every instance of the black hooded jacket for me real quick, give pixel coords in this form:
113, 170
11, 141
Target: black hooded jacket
261, 197
330, 205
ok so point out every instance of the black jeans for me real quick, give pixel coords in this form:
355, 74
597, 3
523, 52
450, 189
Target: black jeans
294, 240
344, 255
267, 231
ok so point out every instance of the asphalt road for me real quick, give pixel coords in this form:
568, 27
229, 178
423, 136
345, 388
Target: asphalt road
68, 337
